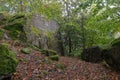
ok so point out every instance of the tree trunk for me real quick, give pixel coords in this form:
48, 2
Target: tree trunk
70, 45
21, 6
60, 43
83, 32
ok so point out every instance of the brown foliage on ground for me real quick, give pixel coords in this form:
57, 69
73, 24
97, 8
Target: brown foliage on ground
36, 66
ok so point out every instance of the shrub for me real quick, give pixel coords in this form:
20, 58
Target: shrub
8, 61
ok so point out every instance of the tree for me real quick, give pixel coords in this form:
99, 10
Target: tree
105, 23
43, 7
85, 14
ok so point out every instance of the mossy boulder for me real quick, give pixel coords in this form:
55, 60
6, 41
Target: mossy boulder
8, 61
42, 32
54, 57
60, 66
26, 50
92, 54
35, 47
15, 26
48, 52
112, 55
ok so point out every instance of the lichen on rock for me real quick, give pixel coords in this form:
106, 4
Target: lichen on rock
42, 33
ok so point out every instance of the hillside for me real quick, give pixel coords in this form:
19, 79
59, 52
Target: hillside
36, 66
59, 40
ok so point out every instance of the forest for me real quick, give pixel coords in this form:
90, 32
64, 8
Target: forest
59, 39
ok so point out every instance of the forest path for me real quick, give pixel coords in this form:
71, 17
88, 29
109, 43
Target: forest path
81, 70
36, 66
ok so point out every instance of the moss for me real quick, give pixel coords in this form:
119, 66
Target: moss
23, 60
15, 26
60, 66
51, 52
1, 34
26, 51
35, 30
54, 57
16, 22
46, 60
43, 51
35, 47
8, 61
14, 34
16, 16
44, 72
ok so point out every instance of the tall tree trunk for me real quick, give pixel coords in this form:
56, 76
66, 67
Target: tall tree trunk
68, 19
21, 6
70, 45
83, 32
61, 44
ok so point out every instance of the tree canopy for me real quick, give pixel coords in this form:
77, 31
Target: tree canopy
83, 23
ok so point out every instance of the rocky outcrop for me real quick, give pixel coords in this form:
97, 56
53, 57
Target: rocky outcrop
41, 32
36, 30
110, 55
14, 27
92, 54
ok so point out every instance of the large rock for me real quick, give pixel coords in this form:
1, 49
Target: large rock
92, 54
15, 26
112, 55
8, 62
41, 32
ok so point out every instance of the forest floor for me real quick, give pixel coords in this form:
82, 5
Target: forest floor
36, 66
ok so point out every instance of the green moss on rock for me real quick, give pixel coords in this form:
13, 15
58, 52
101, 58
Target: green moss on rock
54, 57
49, 52
16, 16
26, 51
8, 61
60, 66
15, 26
